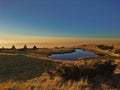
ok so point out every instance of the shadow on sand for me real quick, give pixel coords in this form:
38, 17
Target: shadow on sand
21, 68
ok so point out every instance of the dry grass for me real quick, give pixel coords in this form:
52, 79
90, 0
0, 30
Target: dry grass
21, 68
26, 71
94, 49
46, 83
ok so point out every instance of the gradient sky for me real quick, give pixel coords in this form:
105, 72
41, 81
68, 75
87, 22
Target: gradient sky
71, 19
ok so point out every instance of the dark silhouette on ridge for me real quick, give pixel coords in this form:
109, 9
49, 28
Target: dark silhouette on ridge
25, 47
34, 47
13, 47
21, 49
3, 48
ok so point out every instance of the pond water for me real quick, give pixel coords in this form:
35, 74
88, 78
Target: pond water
74, 55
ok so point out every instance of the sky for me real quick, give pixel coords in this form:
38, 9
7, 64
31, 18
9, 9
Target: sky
59, 20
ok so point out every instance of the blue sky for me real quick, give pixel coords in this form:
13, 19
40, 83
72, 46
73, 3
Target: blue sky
61, 18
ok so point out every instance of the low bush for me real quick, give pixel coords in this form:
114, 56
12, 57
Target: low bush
104, 47
117, 51
105, 69
74, 72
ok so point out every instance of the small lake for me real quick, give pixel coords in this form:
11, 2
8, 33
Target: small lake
74, 55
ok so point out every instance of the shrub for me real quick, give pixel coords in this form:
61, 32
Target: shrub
105, 69
35, 47
74, 72
25, 47
117, 51
104, 47
13, 47
3, 48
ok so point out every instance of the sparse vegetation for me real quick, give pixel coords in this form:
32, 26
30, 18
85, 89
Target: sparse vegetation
105, 47
22, 68
117, 51
23, 72
76, 72
43, 81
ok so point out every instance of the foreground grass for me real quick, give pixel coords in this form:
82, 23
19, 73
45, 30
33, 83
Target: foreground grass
18, 72
45, 82
26, 70
21, 68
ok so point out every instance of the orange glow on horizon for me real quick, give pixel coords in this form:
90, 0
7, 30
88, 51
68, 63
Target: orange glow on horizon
7, 40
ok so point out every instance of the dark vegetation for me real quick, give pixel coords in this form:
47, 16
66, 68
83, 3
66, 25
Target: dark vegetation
35, 47
105, 57
13, 47
117, 51
76, 72
22, 68
25, 47
105, 47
